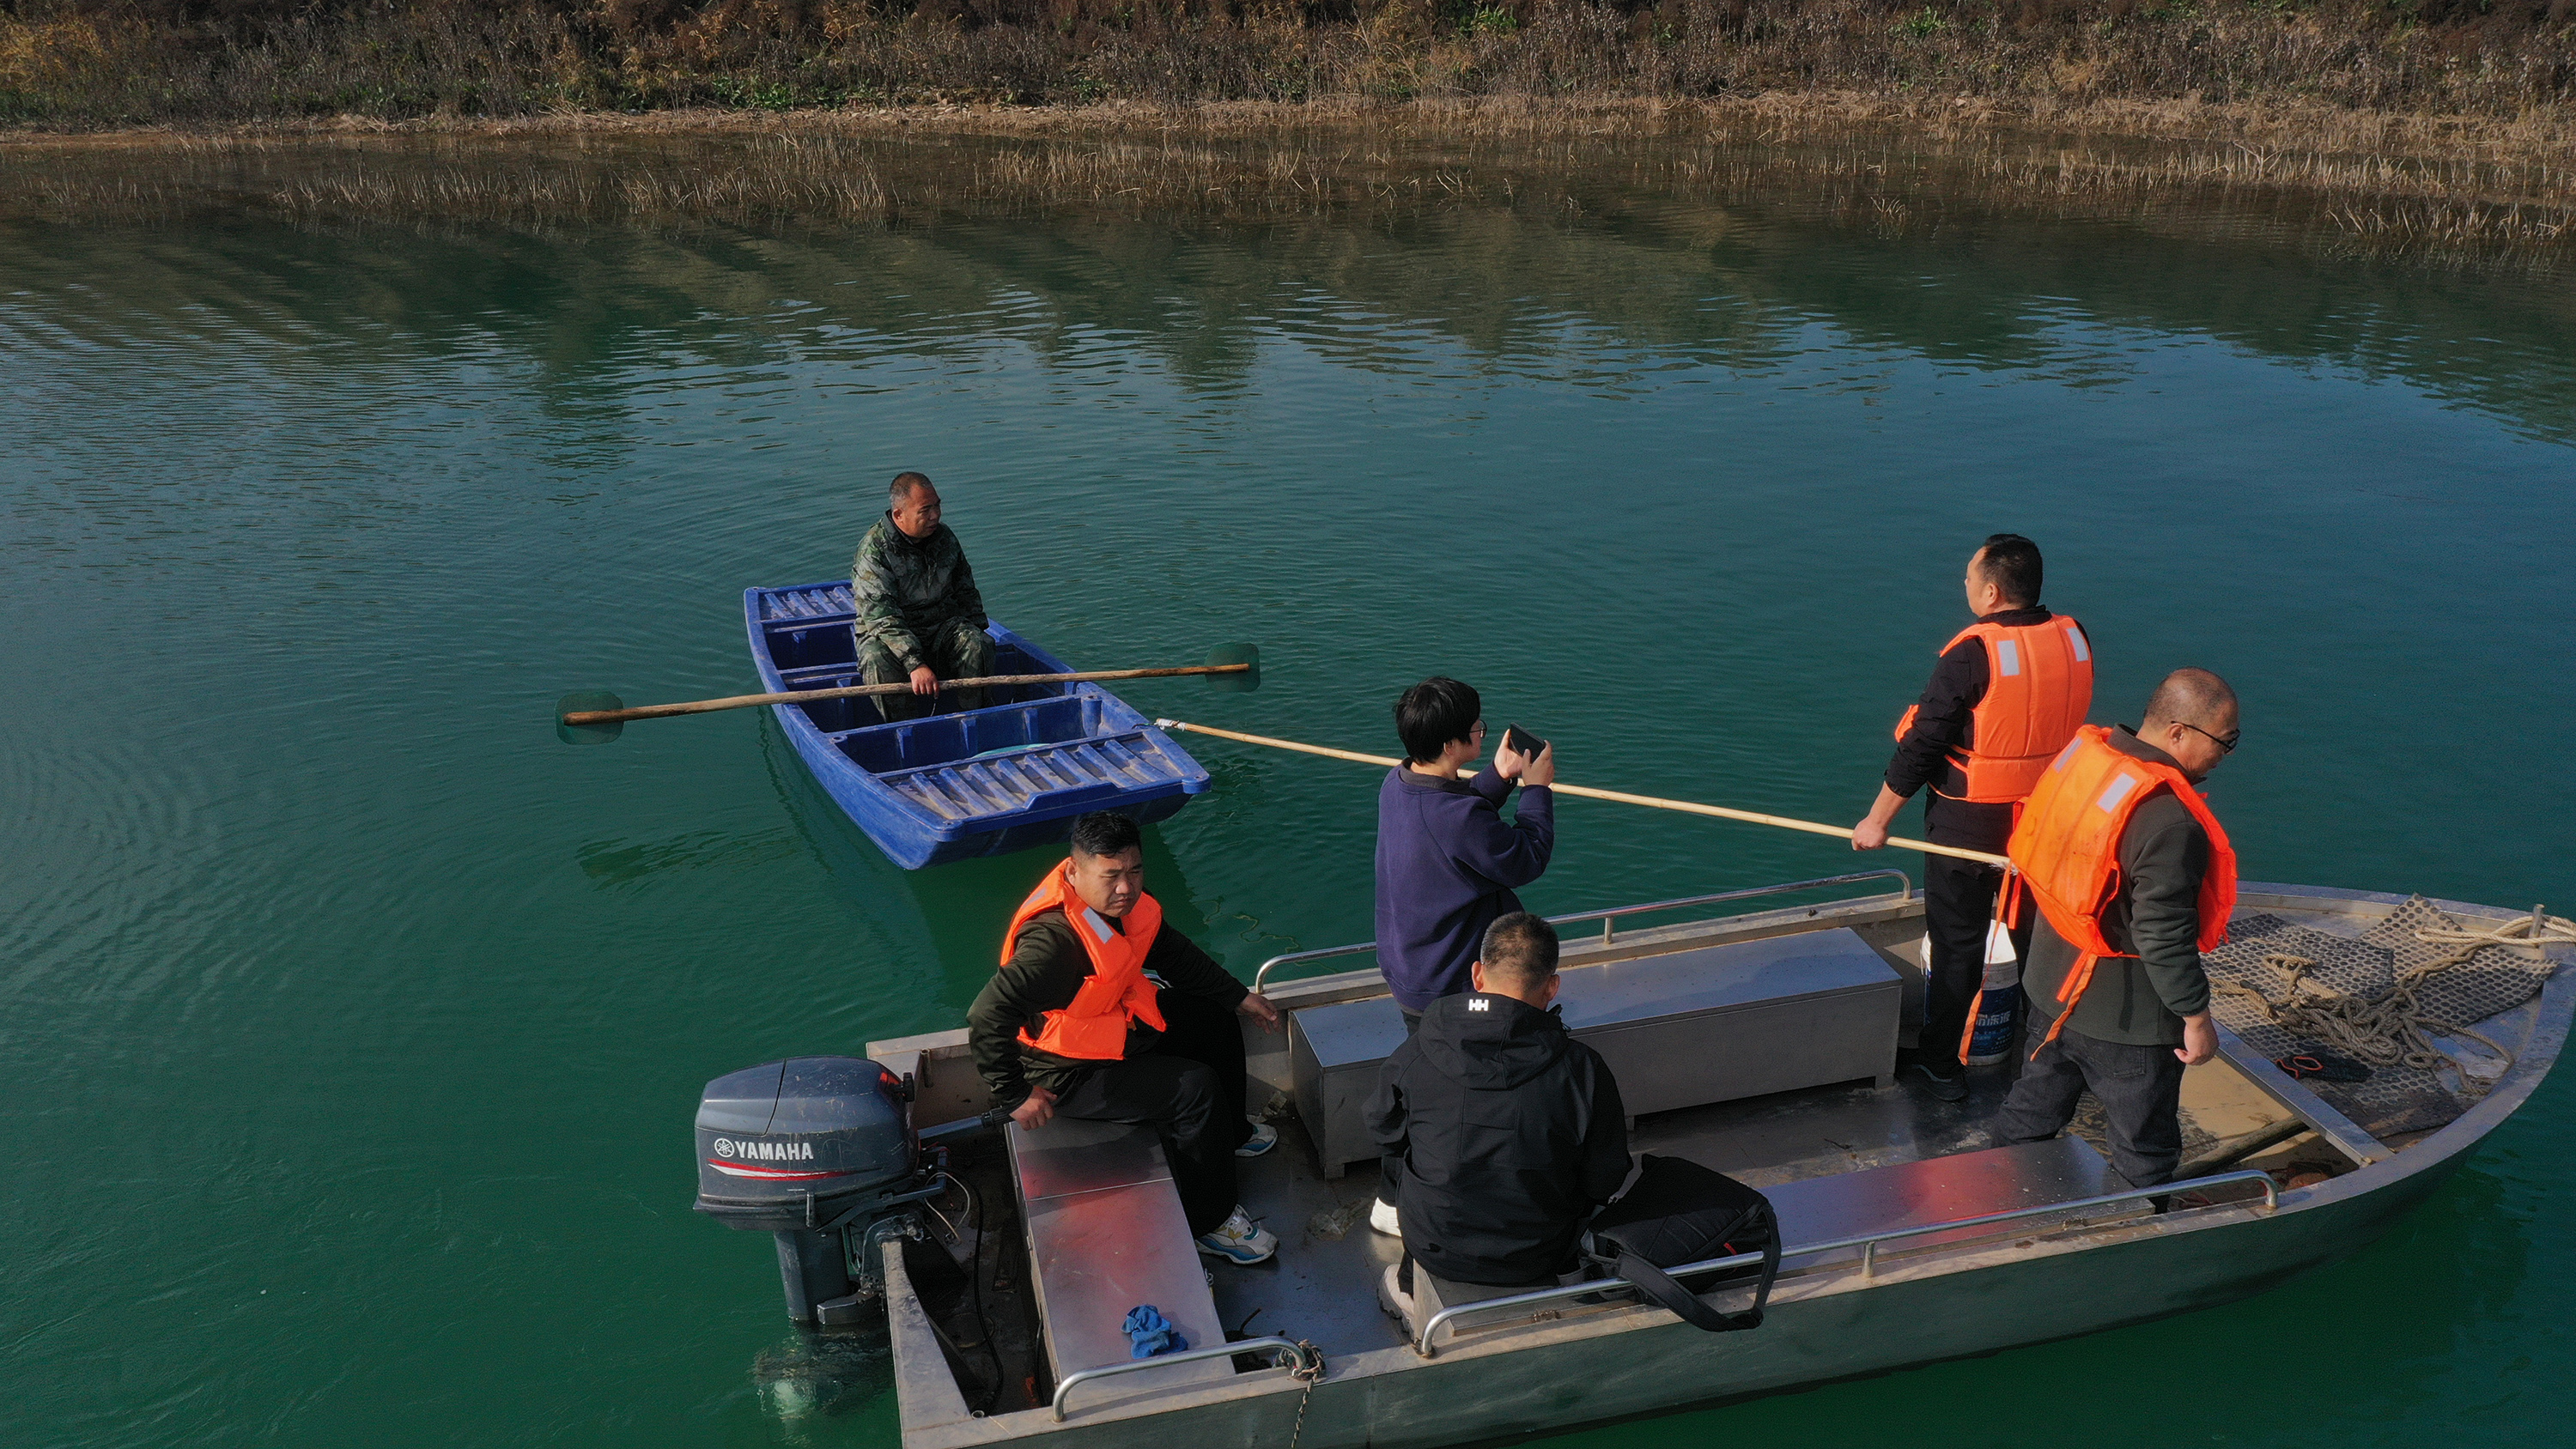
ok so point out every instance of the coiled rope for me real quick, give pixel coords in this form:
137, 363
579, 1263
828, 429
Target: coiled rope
2392, 1028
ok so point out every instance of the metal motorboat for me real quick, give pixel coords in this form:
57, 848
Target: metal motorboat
1761, 1045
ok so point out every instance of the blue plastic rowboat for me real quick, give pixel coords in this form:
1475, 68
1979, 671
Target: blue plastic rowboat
979, 782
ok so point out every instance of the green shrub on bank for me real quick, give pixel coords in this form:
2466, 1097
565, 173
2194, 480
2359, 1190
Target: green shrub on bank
110, 62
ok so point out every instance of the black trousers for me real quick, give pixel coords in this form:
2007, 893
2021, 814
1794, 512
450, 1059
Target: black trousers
1189, 1088
2139, 1087
1958, 901
1389, 1169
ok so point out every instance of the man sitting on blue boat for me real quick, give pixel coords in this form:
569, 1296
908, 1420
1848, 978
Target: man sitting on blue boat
920, 616
1098, 1012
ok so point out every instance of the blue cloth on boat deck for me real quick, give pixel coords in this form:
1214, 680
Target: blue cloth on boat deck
1151, 1333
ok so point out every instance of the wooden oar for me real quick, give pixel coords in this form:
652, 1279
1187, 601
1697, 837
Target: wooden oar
596, 715
1687, 807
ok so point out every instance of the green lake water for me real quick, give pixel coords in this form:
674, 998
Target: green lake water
350, 1025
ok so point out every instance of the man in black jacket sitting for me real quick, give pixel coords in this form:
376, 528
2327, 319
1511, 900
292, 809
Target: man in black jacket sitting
1509, 1133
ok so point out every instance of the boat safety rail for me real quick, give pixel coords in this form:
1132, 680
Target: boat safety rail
1866, 1242
1609, 918
1300, 1358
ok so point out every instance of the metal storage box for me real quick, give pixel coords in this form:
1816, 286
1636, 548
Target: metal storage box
1679, 1030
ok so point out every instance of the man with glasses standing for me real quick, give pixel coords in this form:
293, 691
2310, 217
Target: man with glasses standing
2134, 878
1447, 861
2005, 697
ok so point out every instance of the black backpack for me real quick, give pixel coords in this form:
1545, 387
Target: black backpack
1679, 1212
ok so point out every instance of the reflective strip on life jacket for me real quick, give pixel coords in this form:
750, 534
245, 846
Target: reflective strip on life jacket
2066, 851
1093, 1026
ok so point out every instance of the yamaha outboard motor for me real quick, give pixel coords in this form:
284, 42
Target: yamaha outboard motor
807, 1149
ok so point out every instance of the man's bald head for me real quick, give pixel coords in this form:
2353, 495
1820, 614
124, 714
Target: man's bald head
2193, 697
2192, 718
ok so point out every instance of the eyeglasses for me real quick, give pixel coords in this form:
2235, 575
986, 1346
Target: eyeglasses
2226, 745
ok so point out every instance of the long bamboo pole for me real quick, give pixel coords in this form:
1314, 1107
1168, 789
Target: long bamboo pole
1653, 802
847, 691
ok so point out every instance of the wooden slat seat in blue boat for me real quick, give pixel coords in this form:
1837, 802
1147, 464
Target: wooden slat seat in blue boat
1006, 776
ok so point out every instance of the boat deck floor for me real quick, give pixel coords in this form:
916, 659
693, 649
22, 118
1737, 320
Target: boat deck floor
1323, 1283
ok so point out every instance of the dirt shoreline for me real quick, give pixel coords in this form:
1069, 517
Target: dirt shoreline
2446, 188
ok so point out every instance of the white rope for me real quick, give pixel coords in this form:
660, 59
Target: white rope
2392, 1028
2530, 935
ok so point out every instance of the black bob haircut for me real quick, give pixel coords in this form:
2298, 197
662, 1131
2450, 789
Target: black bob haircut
1105, 832
1434, 712
2011, 564
1519, 951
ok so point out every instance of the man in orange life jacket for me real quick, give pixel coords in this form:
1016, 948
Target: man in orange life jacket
1098, 1012
2005, 697
2133, 878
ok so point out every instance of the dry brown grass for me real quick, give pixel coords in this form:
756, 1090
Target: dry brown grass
90, 63
2425, 188
2431, 127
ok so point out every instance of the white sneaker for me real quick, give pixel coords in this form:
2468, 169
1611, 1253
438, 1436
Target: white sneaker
1238, 1240
1263, 1138
1382, 1219
1391, 1298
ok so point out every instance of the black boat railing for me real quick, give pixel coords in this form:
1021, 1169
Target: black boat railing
1609, 918
1868, 1243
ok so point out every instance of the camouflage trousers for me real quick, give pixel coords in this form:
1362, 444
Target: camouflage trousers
960, 650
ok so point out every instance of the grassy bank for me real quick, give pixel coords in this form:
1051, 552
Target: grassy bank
105, 63
2348, 183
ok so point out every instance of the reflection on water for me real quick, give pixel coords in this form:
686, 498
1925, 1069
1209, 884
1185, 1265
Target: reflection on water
812, 1377
1609, 305
354, 1023
620, 862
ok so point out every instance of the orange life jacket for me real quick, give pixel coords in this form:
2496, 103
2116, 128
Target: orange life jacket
2039, 684
1093, 1027
2066, 851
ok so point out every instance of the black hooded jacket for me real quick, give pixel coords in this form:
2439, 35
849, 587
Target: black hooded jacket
1511, 1134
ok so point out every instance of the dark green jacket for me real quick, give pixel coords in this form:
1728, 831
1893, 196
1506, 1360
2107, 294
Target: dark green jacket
907, 589
2138, 1000
1047, 966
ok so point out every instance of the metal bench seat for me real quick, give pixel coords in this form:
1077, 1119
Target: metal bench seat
1903, 1195
1679, 1029
1106, 1233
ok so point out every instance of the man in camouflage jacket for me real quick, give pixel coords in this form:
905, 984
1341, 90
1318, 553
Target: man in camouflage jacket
920, 617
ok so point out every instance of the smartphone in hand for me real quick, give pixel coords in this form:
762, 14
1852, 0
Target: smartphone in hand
1522, 742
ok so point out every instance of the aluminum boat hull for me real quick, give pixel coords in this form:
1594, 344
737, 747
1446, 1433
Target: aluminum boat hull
1835, 1322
